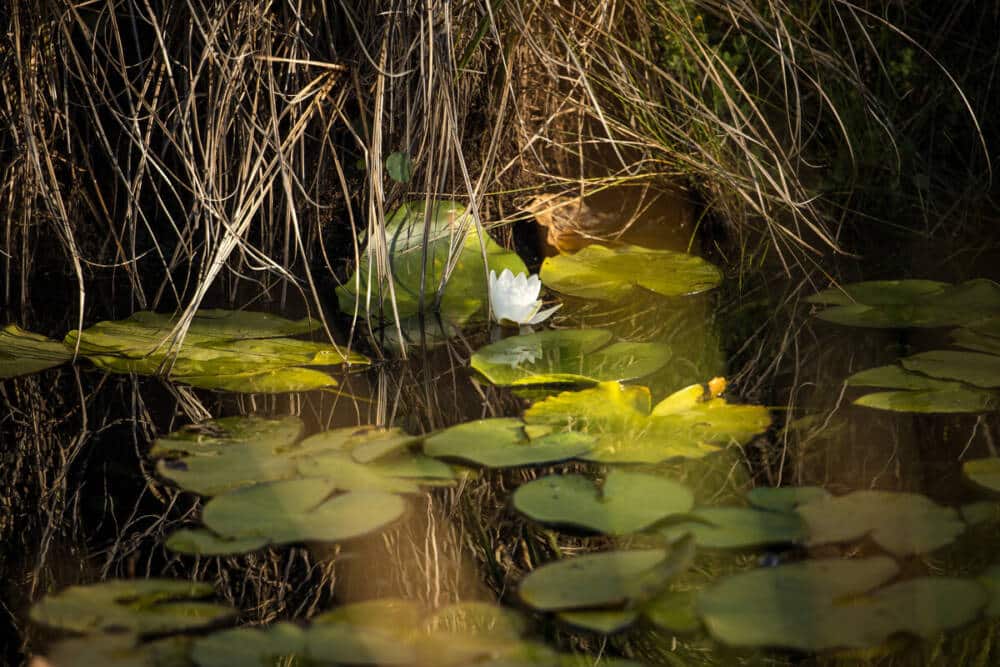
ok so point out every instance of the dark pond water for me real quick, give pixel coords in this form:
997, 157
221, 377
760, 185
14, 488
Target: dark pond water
670, 519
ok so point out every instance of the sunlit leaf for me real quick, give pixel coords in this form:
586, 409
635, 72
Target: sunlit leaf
23, 352
975, 368
600, 272
200, 542
985, 473
502, 443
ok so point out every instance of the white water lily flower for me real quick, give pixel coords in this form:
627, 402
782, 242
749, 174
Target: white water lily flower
515, 299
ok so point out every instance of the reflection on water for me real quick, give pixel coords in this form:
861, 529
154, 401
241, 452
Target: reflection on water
510, 536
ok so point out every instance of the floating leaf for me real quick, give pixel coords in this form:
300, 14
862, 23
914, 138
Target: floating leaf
980, 512
990, 579
567, 356
23, 352
602, 621
300, 510
972, 339
984, 473
502, 443
228, 350
827, 604
981, 370
478, 618
253, 647
214, 435
613, 274
200, 542
922, 394
673, 611
603, 579
347, 644
398, 166
902, 523
627, 430
451, 227
738, 528
627, 502
142, 606
785, 498
118, 650
909, 303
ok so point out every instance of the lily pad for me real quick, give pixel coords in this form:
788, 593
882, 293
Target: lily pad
603, 580
502, 443
975, 368
567, 356
913, 303
141, 606
602, 621
300, 510
919, 393
200, 542
673, 611
450, 231
347, 644
214, 435
24, 353
253, 647
229, 350
478, 618
626, 503
901, 523
990, 579
616, 273
972, 339
738, 528
827, 604
626, 429
785, 498
119, 650
984, 473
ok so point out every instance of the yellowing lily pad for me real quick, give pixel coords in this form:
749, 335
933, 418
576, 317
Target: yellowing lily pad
687, 424
141, 606
611, 274
828, 604
300, 510
24, 353
901, 523
985, 473
567, 356
627, 502
451, 232
502, 443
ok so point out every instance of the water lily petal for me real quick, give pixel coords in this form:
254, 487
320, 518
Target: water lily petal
541, 316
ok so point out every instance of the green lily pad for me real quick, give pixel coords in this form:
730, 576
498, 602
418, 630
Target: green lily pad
738, 528
300, 510
990, 579
626, 503
626, 429
605, 622
119, 650
785, 498
983, 511
879, 292
478, 618
24, 353
347, 644
914, 303
984, 473
215, 435
828, 604
673, 611
972, 339
613, 274
141, 606
567, 356
901, 523
502, 443
975, 368
920, 393
603, 580
390, 614
200, 542
253, 647
465, 294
